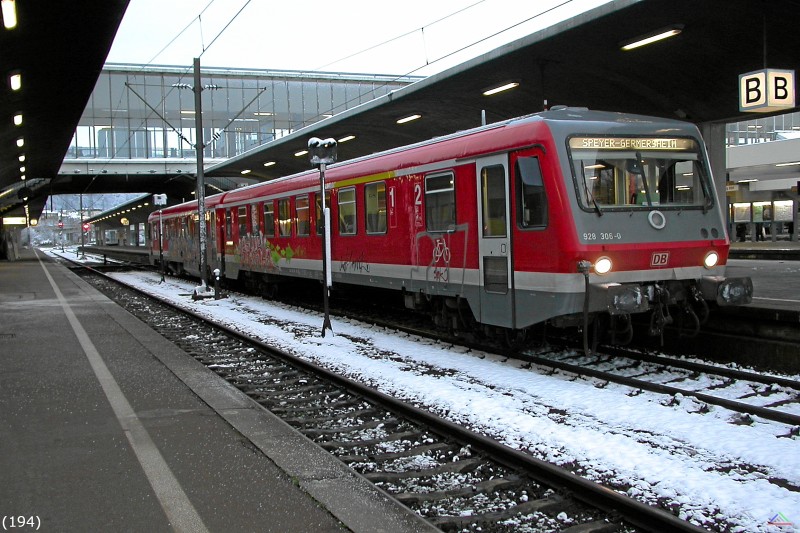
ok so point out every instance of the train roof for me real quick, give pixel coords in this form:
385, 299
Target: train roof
458, 145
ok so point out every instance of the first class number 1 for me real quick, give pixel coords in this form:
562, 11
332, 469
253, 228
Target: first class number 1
602, 236
11, 523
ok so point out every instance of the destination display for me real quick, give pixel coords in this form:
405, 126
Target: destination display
631, 143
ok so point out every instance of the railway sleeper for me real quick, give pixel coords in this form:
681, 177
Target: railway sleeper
313, 408
548, 505
325, 397
341, 430
484, 487
409, 452
460, 467
333, 445
261, 392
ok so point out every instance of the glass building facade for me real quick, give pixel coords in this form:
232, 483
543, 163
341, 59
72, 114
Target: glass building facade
766, 129
144, 112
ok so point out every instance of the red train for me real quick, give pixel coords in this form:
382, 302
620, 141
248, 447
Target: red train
560, 217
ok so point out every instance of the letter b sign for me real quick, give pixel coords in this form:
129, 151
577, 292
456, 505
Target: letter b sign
766, 90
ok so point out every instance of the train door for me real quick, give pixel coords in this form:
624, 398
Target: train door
212, 257
494, 242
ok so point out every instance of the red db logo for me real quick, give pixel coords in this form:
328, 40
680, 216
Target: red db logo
659, 259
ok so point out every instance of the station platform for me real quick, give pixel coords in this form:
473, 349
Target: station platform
107, 426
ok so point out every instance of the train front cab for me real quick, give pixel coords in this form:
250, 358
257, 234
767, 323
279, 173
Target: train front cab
650, 232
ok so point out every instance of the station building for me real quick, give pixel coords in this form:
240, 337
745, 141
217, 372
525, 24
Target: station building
139, 125
763, 164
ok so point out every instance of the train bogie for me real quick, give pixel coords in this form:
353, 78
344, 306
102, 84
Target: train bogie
554, 218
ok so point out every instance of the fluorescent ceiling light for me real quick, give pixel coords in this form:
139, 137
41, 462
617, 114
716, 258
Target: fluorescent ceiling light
346, 138
787, 164
653, 37
269, 163
408, 119
747, 180
20, 142
22, 158
186, 112
264, 114
300, 153
246, 171
501, 88
9, 14
18, 119
15, 80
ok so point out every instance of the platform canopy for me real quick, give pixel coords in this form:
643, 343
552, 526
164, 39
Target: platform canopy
58, 48
693, 75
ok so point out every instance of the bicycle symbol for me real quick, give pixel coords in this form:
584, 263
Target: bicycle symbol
441, 251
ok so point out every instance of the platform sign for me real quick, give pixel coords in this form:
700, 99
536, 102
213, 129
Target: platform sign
767, 90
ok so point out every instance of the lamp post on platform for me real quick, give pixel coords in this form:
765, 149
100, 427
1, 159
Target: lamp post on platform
322, 153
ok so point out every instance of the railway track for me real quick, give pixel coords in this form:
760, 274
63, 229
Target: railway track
745, 394
455, 478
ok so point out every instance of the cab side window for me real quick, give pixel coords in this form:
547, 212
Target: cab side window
531, 197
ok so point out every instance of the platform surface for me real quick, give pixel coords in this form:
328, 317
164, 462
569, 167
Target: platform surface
107, 426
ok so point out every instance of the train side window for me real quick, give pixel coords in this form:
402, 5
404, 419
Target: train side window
531, 196
440, 202
347, 211
269, 219
254, 220
242, 221
375, 202
302, 212
284, 218
493, 198
228, 225
318, 201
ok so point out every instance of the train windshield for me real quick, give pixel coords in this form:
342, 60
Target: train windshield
627, 173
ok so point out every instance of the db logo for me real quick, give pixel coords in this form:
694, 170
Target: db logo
659, 259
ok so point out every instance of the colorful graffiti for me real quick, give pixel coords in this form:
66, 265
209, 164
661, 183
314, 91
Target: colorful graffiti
259, 254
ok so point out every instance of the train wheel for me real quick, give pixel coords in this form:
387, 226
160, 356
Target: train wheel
515, 339
268, 291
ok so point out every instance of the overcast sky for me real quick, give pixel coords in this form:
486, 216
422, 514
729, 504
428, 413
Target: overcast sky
419, 37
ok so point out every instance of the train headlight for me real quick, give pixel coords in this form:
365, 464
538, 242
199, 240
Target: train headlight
602, 265
711, 259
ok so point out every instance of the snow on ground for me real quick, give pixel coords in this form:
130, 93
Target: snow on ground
656, 448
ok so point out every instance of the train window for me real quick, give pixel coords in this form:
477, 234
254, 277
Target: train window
375, 202
633, 172
242, 221
284, 218
531, 197
319, 210
493, 198
254, 220
269, 219
228, 226
440, 202
347, 211
301, 209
